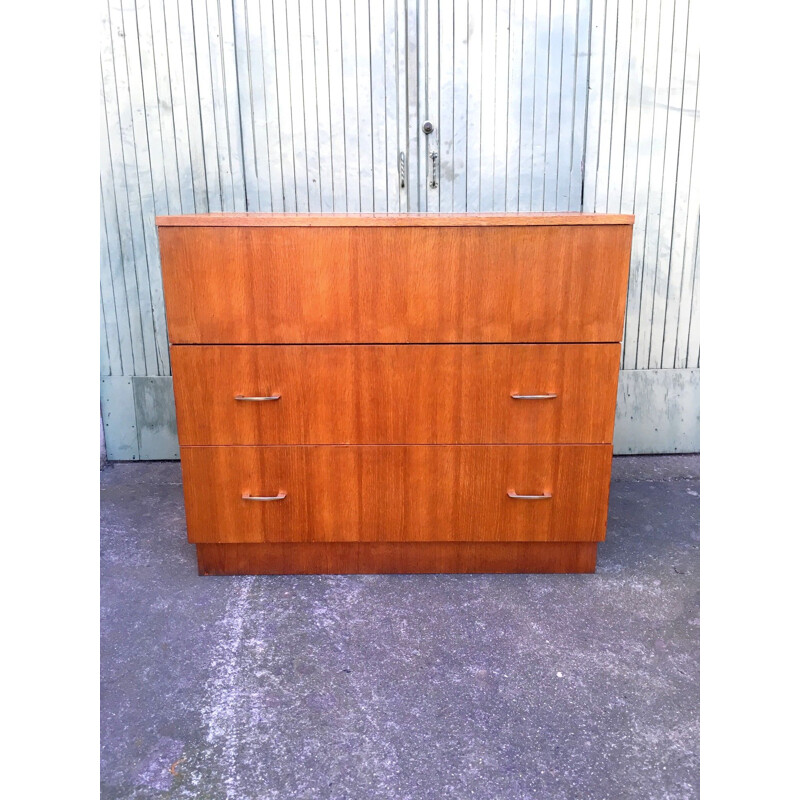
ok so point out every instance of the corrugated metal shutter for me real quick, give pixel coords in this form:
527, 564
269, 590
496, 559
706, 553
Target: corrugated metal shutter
272, 105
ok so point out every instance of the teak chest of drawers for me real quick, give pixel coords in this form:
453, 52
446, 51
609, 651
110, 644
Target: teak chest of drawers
415, 393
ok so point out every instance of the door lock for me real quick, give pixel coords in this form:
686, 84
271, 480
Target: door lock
433, 155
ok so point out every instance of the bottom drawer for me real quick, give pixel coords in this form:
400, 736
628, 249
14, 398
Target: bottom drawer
397, 493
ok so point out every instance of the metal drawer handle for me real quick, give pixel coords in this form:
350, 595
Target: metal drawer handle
258, 399
278, 496
534, 396
514, 496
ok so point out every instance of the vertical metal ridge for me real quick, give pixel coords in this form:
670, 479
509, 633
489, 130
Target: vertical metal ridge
635, 278
131, 281
145, 206
371, 103
330, 108
106, 287
105, 355
693, 342
691, 233
675, 201
645, 238
554, 105
659, 282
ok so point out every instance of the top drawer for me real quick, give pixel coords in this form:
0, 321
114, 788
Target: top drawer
513, 279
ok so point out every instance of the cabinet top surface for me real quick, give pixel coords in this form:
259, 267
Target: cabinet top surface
390, 220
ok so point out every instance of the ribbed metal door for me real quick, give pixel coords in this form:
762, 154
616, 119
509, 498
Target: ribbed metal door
318, 105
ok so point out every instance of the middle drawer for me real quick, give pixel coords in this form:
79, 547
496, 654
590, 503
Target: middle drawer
395, 394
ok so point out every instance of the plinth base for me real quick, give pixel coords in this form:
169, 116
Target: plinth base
363, 558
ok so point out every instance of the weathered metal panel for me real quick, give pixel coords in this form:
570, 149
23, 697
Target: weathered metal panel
641, 131
138, 416
154, 406
658, 411
119, 418
505, 86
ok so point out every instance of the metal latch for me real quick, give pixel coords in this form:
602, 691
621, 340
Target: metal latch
433, 154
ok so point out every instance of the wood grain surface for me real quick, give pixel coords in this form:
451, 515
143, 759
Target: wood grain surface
395, 394
379, 220
394, 558
534, 283
395, 493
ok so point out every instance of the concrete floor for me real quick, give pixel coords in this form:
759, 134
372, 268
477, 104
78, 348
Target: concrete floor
413, 687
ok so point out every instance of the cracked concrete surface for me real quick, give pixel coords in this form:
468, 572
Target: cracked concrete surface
440, 686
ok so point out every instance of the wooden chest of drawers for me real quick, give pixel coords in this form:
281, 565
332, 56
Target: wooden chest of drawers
395, 393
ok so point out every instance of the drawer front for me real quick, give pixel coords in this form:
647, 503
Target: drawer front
395, 394
244, 285
396, 493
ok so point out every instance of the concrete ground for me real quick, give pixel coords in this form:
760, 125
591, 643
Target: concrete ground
467, 687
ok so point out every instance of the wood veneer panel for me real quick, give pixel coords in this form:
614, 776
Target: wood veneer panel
254, 219
394, 558
534, 283
395, 394
400, 493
